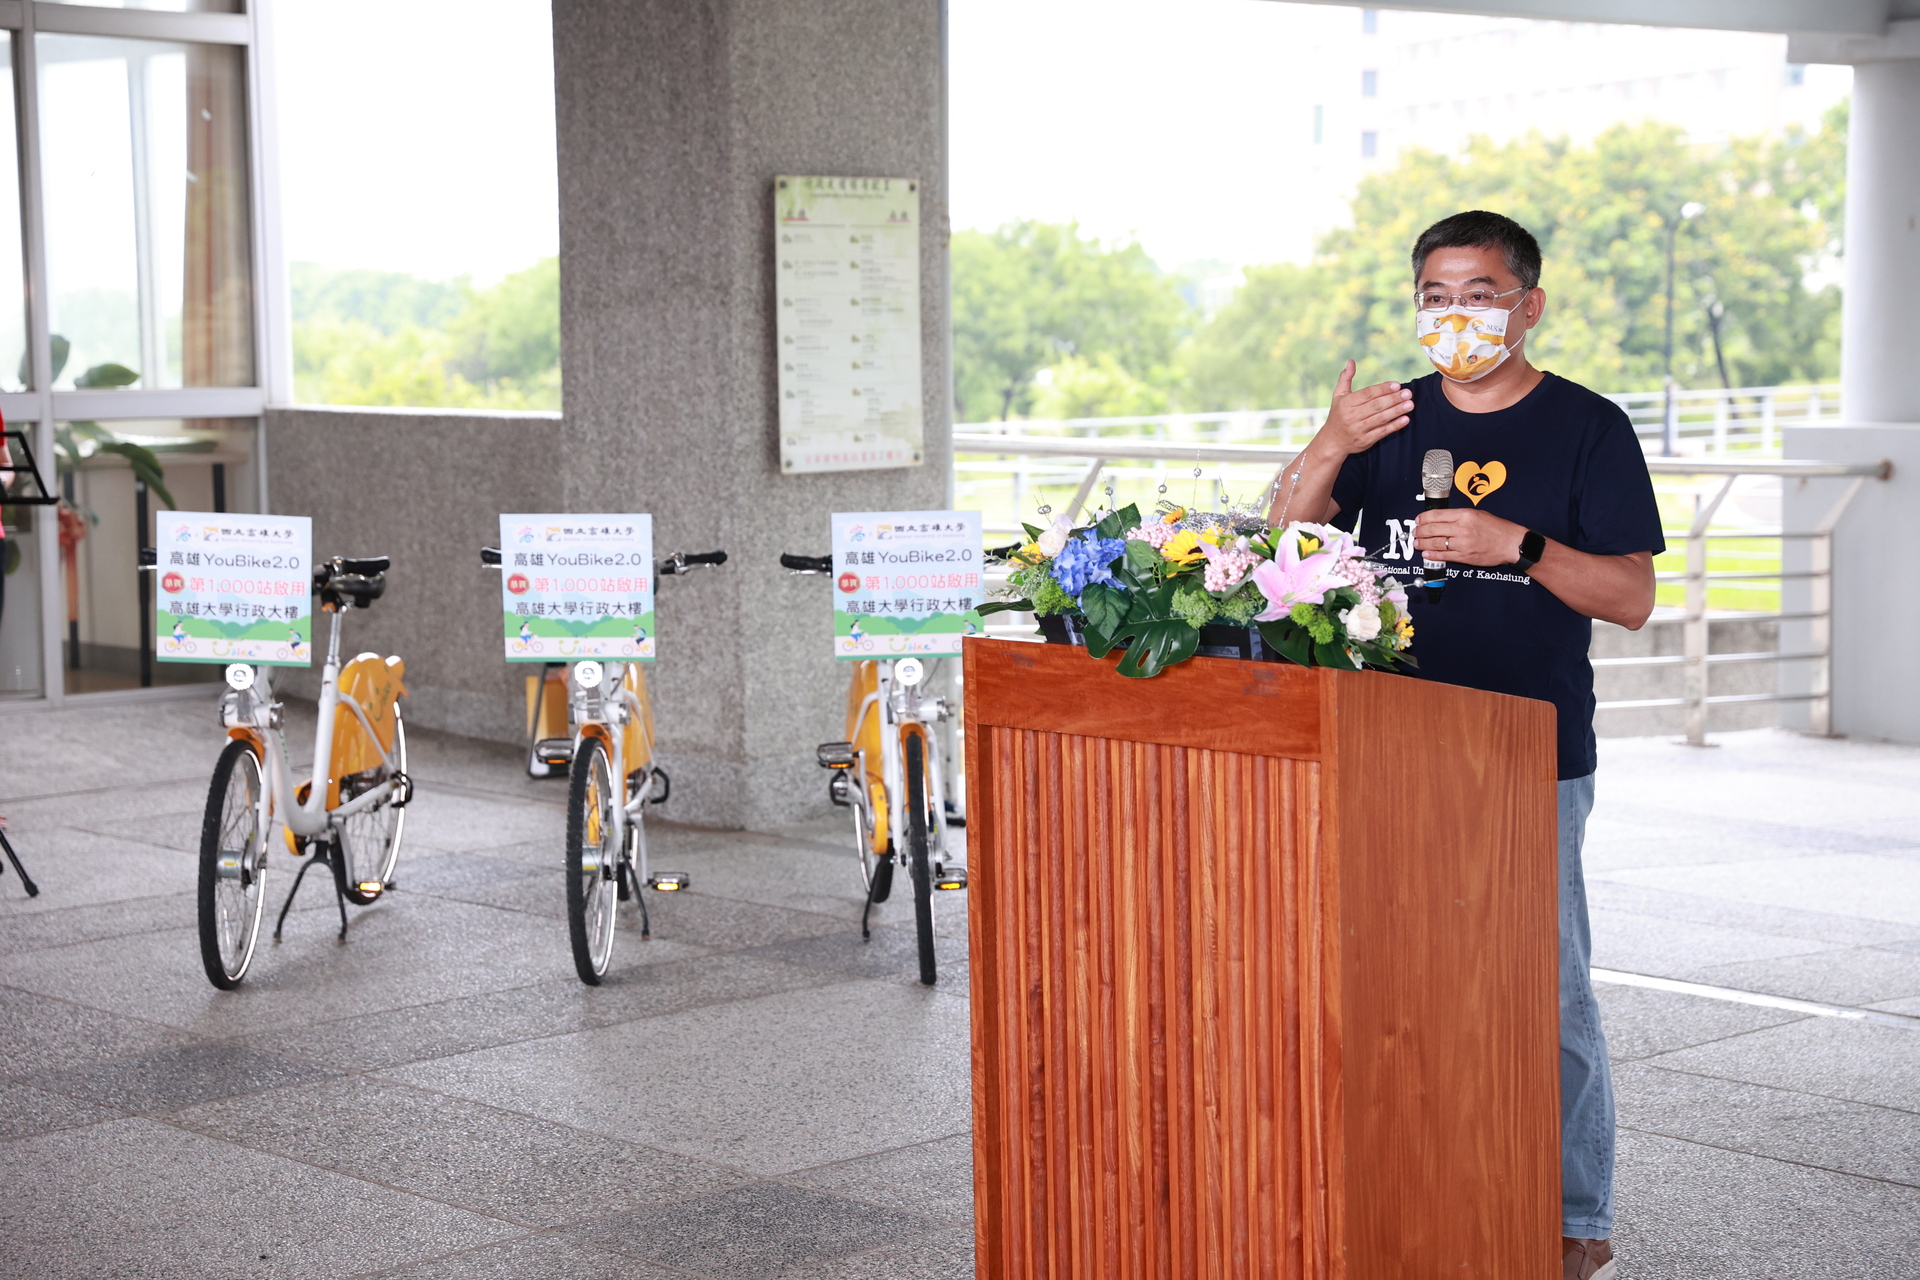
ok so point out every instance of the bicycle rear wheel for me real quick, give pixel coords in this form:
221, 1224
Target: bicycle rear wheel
917, 853
233, 851
593, 860
370, 839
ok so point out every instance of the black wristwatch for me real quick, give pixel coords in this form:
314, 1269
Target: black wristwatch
1532, 547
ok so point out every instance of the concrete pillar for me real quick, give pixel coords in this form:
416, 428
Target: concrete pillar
674, 116
1879, 374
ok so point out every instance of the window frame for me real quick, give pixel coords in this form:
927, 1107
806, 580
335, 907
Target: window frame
43, 407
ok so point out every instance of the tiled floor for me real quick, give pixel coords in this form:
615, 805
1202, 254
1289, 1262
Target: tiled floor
756, 1093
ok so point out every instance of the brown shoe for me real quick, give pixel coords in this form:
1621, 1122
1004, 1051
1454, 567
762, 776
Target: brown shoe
1586, 1259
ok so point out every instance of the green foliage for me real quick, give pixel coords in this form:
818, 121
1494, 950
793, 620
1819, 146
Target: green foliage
1034, 295
1157, 635
1192, 602
1601, 213
1239, 608
381, 338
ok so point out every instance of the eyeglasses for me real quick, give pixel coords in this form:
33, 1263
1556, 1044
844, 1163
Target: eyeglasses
1472, 299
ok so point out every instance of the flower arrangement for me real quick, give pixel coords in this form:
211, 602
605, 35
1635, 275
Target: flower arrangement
1151, 584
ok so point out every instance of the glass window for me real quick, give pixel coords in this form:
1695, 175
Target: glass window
1369, 144
201, 465
13, 293
149, 244
1369, 84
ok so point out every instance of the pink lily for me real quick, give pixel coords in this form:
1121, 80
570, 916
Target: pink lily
1289, 579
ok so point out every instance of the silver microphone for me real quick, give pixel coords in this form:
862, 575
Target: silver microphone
1436, 481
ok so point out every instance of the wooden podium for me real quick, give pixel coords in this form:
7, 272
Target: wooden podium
1263, 973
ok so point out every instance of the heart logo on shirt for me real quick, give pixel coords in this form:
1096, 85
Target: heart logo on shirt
1477, 481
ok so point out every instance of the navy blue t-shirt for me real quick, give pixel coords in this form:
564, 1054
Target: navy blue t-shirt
1563, 461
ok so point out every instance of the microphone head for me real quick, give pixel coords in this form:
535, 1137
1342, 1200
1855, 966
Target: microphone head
1436, 473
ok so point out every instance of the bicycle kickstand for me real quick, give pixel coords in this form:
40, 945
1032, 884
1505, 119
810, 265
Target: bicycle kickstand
288, 905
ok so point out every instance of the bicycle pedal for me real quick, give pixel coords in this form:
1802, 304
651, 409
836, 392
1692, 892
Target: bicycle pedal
372, 888
669, 881
949, 877
552, 751
836, 755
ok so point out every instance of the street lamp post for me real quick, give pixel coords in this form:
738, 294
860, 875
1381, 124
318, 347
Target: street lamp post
1670, 425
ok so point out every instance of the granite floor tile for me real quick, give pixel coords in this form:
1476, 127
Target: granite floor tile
1854, 977
555, 1007
1846, 1137
177, 1077
768, 1085
1649, 944
1686, 1210
1640, 1022
25, 1110
934, 1179
403, 950
1870, 886
499, 1163
1829, 1057
546, 1256
38, 1033
80, 869
138, 1198
33, 931
177, 830
942, 1255
761, 1229
1695, 909
889, 953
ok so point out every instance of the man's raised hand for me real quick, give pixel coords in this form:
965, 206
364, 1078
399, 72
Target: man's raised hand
1360, 418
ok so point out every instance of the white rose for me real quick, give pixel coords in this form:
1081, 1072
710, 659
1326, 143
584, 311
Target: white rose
1361, 622
1055, 537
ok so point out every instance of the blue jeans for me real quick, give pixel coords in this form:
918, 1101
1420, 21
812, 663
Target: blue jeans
1586, 1082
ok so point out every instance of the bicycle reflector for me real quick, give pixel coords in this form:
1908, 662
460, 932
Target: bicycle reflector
669, 881
372, 888
835, 755
949, 877
554, 750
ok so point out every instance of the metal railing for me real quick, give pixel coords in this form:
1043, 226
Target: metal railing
1709, 423
1714, 479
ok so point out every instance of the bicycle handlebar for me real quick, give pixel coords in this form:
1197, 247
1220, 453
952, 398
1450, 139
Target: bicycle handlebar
681, 561
490, 557
806, 564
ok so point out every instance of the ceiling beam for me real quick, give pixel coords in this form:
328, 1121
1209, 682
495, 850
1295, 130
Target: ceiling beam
1824, 17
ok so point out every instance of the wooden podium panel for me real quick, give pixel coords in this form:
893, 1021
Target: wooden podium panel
1263, 972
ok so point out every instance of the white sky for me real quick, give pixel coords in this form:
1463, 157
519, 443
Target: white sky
417, 135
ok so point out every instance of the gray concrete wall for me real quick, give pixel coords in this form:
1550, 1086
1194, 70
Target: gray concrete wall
674, 117
424, 487
1876, 609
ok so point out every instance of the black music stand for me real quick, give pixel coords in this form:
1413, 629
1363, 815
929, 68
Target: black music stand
24, 463
33, 890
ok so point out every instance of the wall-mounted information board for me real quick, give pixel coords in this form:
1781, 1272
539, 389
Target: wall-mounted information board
847, 275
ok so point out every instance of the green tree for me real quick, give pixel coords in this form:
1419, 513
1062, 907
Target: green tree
1033, 294
1601, 213
385, 338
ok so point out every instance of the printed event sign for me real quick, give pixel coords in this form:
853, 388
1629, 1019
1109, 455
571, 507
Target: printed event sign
905, 583
233, 588
577, 586
847, 285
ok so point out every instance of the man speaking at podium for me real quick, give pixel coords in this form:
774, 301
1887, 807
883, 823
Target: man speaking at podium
1549, 522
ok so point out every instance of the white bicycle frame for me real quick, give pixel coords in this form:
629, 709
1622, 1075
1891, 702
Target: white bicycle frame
593, 706
247, 709
899, 704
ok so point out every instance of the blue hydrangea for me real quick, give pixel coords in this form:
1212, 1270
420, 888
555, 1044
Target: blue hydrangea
1084, 560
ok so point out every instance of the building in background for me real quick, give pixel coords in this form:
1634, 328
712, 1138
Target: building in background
1435, 81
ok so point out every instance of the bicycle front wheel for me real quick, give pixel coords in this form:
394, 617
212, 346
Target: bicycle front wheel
233, 850
917, 852
593, 860
370, 839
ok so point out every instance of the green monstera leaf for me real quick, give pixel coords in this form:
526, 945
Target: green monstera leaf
1157, 636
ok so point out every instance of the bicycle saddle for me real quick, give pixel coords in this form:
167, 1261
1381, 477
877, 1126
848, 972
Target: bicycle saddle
366, 565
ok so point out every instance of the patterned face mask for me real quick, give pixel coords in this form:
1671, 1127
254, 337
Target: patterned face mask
1466, 343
